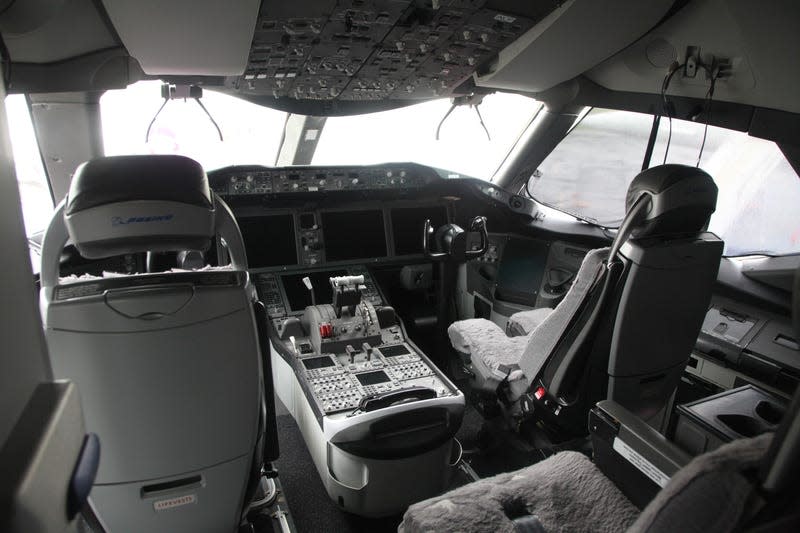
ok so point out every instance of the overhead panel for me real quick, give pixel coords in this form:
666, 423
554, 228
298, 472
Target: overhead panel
186, 37
366, 50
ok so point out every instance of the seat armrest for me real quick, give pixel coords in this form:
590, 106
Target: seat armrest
636, 457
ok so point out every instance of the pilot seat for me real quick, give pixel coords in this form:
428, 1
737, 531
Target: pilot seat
168, 364
626, 327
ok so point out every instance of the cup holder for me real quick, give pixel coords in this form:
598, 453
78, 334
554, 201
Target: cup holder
744, 425
743, 412
771, 413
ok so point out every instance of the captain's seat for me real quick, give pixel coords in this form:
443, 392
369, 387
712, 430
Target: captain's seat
626, 327
167, 364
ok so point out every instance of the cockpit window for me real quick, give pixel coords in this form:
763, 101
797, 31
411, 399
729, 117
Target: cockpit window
409, 134
589, 171
37, 203
251, 133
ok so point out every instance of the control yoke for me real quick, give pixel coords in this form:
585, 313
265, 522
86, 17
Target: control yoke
450, 249
450, 241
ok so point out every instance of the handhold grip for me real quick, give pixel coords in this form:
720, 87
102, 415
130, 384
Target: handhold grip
427, 235
478, 225
412, 394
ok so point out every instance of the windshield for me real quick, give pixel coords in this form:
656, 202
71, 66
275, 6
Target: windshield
588, 174
34, 192
252, 134
409, 134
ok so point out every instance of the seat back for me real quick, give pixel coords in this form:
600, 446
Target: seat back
633, 331
167, 364
579, 301
666, 293
780, 471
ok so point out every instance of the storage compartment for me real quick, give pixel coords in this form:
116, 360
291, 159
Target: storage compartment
637, 458
738, 413
209, 499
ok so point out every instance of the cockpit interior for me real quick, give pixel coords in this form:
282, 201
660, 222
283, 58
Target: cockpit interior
400, 265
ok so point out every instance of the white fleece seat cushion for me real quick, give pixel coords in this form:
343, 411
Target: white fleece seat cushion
496, 356
489, 347
566, 492
524, 322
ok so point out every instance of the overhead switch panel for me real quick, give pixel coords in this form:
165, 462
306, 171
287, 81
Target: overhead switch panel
360, 50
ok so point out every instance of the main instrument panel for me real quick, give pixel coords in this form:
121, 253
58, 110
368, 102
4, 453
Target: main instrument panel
255, 180
312, 216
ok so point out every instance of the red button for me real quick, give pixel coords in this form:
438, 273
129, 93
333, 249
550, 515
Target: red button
325, 330
539, 393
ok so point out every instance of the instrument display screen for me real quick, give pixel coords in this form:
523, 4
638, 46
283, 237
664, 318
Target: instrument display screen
408, 223
269, 240
353, 235
392, 351
373, 378
521, 269
313, 363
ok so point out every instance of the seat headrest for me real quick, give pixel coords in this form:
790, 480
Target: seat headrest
682, 198
127, 204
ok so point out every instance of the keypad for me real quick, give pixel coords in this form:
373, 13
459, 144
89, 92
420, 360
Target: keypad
411, 370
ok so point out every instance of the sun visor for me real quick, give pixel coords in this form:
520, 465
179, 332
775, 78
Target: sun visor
186, 37
569, 41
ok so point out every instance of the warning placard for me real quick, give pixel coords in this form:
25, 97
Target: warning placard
637, 460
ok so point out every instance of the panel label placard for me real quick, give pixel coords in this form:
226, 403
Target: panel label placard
186, 499
637, 460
